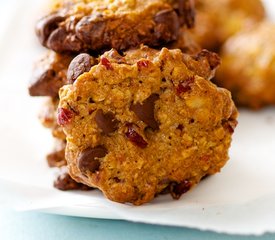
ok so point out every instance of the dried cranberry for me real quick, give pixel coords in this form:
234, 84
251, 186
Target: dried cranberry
134, 137
177, 189
143, 64
185, 86
64, 116
105, 62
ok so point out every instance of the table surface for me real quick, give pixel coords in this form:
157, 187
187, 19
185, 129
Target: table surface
34, 225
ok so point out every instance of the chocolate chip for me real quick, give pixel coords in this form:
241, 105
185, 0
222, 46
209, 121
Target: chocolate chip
80, 64
167, 25
177, 189
46, 25
88, 160
91, 30
187, 11
213, 58
64, 182
145, 111
44, 84
135, 137
62, 41
106, 121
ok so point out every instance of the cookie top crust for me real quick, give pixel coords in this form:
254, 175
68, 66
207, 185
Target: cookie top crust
143, 122
79, 26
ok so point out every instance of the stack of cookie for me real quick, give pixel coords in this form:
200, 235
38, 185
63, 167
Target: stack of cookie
129, 98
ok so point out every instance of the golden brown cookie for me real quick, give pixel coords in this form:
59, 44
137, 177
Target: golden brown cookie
248, 68
143, 122
96, 25
50, 72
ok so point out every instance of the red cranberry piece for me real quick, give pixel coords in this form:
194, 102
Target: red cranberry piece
177, 189
143, 64
64, 116
105, 62
134, 137
185, 86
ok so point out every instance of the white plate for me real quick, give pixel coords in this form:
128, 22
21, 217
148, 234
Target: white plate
239, 200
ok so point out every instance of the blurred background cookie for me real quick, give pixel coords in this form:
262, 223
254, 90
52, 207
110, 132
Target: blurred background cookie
248, 66
217, 20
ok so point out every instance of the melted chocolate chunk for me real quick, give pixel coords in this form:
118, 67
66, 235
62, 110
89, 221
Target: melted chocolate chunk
45, 84
62, 41
106, 121
167, 25
47, 25
212, 58
145, 111
91, 30
79, 65
88, 160
64, 182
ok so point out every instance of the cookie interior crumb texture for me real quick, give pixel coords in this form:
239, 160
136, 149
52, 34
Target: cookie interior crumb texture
146, 122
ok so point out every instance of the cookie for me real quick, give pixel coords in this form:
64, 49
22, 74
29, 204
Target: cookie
97, 25
216, 21
56, 158
50, 72
145, 122
248, 66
